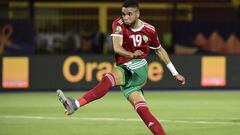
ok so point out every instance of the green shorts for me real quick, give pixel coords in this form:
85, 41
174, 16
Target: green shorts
135, 74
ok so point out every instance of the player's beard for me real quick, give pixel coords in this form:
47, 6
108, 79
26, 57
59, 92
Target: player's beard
131, 24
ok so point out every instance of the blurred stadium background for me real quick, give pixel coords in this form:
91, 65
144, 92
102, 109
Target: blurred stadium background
51, 44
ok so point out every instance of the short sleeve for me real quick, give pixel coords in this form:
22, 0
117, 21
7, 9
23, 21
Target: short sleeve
155, 41
117, 29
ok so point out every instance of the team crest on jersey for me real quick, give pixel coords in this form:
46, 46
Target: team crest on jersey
145, 38
118, 29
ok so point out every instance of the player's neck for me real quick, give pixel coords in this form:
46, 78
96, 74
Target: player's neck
136, 25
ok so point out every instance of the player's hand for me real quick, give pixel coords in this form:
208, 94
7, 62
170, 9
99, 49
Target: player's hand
180, 79
137, 53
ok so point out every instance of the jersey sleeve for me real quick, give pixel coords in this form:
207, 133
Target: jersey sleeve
155, 41
117, 29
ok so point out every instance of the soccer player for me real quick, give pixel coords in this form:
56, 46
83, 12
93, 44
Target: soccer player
132, 39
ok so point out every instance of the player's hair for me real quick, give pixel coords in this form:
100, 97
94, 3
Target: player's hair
130, 3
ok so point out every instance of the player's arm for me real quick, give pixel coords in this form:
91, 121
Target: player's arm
163, 55
118, 49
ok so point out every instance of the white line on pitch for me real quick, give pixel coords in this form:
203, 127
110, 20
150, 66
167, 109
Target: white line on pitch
114, 119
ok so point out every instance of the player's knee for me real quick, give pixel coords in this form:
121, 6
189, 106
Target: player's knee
118, 76
135, 97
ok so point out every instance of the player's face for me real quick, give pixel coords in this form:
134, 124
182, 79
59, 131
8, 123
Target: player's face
130, 15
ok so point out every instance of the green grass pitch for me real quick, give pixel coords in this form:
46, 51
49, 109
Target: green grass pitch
181, 113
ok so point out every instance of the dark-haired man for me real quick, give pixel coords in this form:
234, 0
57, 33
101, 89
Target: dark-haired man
132, 39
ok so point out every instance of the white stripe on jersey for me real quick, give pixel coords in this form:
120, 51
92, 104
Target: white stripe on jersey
153, 29
117, 35
120, 21
155, 47
149, 26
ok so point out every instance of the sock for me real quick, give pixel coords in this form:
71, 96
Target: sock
150, 121
99, 90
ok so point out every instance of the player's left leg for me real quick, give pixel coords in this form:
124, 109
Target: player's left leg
114, 78
137, 100
132, 91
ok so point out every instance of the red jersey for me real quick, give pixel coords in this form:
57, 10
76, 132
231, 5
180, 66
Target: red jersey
142, 39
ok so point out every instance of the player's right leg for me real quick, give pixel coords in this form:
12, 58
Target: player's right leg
70, 104
103, 87
108, 81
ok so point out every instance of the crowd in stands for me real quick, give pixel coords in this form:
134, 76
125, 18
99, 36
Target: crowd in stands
54, 40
